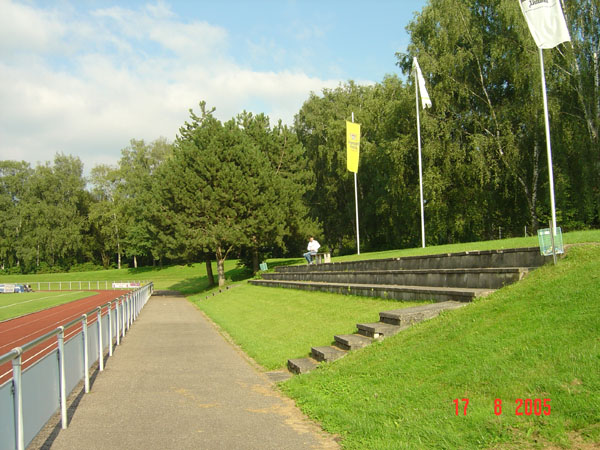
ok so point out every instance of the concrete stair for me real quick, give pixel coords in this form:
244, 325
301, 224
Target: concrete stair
391, 323
444, 277
451, 280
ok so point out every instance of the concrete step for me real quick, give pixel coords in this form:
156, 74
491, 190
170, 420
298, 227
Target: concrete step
410, 316
302, 365
516, 257
352, 341
327, 353
479, 278
385, 291
379, 330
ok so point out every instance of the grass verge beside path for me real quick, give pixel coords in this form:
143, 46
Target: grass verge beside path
537, 339
15, 305
273, 325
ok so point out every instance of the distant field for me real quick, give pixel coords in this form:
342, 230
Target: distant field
15, 305
187, 279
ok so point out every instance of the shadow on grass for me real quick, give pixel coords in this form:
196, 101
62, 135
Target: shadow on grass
196, 285
285, 262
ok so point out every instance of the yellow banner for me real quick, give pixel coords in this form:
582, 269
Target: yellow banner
353, 145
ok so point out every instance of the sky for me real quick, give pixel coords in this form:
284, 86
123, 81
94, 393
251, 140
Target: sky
84, 77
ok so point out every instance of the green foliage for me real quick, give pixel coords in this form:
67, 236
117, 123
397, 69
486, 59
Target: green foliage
230, 186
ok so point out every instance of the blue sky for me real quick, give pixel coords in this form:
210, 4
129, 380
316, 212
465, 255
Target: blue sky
84, 77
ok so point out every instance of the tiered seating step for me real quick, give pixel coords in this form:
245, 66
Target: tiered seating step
397, 292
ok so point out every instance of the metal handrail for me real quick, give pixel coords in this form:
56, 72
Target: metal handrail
29, 345
131, 304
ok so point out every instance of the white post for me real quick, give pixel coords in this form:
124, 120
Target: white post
548, 147
110, 330
18, 400
420, 164
86, 372
100, 349
62, 378
356, 203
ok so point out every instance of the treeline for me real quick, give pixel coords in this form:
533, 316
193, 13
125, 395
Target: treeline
251, 188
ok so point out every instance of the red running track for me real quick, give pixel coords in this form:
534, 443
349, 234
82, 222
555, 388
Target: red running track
19, 331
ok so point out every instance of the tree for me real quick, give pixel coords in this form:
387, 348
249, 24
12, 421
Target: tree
483, 69
108, 212
55, 208
14, 179
137, 167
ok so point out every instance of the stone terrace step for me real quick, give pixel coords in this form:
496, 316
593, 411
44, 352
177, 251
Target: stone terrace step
410, 316
327, 353
352, 341
480, 278
516, 257
301, 365
379, 330
396, 292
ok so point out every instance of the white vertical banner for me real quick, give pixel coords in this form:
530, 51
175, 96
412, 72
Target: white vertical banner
426, 103
546, 22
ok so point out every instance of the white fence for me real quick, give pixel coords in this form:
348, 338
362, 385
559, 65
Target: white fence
83, 285
35, 394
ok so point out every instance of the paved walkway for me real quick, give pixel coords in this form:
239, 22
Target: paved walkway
175, 383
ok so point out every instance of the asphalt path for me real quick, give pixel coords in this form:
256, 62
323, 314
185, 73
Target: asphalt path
176, 383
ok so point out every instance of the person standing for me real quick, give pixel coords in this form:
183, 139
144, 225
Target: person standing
313, 248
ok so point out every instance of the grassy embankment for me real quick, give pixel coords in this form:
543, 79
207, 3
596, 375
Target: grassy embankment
538, 339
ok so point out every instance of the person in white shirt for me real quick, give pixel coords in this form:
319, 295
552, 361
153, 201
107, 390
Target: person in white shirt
313, 248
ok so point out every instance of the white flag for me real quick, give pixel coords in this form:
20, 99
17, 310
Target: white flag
546, 22
425, 100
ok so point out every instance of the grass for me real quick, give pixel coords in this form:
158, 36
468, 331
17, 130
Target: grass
274, 324
536, 339
187, 279
15, 305
573, 237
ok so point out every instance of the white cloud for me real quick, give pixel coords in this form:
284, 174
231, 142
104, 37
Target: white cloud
86, 85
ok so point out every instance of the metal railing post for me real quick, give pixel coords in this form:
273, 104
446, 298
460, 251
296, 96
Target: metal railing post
124, 318
62, 378
18, 400
110, 333
100, 349
117, 323
128, 312
86, 373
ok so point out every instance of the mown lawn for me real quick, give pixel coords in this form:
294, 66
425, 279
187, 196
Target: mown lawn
273, 325
187, 279
15, 305
573, 237
537, 339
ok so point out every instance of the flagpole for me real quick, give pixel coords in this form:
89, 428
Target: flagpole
356, 203
420, 165
548, 145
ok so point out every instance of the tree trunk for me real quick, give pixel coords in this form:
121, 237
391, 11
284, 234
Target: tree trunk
209, 272
135, 261
119, 255
220, 266
254, 260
